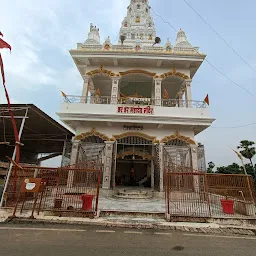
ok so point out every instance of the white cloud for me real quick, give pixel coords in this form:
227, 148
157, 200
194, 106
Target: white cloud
42, 32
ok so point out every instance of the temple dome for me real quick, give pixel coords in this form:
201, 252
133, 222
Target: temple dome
181, 40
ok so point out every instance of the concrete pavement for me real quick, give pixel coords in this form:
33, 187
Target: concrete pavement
63, 240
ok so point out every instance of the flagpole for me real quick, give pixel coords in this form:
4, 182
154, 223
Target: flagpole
13, 158
248, 181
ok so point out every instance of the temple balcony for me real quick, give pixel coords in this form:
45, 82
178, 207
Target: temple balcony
135, 110
175, 103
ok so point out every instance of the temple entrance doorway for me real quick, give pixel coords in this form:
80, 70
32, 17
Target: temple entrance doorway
134, 163
133, 173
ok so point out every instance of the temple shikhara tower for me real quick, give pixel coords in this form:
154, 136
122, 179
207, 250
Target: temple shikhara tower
136, 101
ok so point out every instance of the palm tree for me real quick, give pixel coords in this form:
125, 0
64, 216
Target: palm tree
210, 168
247, 149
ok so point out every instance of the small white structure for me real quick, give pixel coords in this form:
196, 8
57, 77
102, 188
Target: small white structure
137, 98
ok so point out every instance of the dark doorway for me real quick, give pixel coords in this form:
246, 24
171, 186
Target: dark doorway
134, 173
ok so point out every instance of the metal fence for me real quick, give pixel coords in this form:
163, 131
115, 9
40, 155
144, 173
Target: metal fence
197, 194
135, 101
65, 188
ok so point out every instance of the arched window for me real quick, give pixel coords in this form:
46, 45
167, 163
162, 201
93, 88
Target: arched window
138, 6
137, 19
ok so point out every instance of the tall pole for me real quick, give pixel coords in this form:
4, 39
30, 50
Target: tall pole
13, 158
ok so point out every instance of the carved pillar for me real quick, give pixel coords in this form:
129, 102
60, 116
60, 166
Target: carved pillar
73, 161
115, 92
188, 93
153, 169
85, 89
194, 162
108, 164
161, 163
158, 91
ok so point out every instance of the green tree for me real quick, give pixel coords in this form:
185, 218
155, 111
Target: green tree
247, 149
230, 169
211, 165
251, 170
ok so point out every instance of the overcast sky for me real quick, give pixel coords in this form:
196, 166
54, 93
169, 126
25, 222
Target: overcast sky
42, 32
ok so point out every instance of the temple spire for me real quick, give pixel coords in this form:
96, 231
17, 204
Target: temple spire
181, 40
93, 36
138, 26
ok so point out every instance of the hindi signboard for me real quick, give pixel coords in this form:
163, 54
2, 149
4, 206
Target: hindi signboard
145, 110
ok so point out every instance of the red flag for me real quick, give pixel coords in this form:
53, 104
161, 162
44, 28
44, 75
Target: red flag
1, 34
166, 95
2, 69
122, 95
3, 44
206, 100
17, 140
98, 92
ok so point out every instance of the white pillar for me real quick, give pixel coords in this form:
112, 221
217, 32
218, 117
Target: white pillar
73, 161
85, 89
188, 93
115, 92
108, 164
194, 164
194, 160
161, 162
158, 91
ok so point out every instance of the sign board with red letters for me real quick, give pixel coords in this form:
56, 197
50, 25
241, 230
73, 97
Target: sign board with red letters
145, 110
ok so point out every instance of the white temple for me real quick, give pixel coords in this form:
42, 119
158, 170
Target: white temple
136, 99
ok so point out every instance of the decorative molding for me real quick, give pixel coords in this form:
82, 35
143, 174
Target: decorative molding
135, 134
193, 52
135, 153
137, 71
101, 70
173, 73
93, 132
178, 136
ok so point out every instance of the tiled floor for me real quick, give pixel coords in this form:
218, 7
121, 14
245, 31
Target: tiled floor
150, 205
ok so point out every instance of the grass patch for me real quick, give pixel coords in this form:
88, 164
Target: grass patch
1, 182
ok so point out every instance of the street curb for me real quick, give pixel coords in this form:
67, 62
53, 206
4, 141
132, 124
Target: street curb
160, 226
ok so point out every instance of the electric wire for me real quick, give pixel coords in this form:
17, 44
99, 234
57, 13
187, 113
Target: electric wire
233, 127
216, 69
223, 39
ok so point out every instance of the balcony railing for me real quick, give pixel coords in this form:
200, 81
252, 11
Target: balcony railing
136, 101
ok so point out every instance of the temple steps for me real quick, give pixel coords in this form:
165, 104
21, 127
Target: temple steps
138, 193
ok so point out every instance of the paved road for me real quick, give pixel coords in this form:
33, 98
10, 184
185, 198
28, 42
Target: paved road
56, 240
